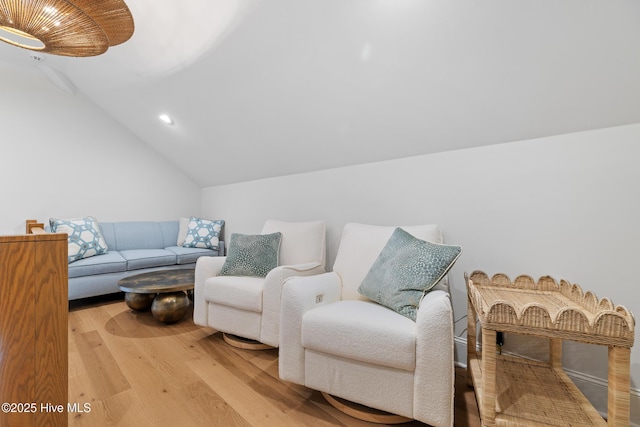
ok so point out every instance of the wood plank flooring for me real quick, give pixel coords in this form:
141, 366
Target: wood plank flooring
126, 369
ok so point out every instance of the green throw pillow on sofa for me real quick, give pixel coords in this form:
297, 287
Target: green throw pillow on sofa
252, 255
405, 270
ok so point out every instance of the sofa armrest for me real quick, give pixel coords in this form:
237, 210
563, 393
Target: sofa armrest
434, 359
206, 266
271, 292
299, 295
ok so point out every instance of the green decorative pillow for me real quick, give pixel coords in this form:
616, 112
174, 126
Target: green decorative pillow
84, 239
252, 255
203, 233
406, 269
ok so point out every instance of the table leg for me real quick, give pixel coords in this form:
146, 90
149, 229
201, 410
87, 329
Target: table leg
489, 386
619, 386
471, 340
139, 302
170, 307
555, 352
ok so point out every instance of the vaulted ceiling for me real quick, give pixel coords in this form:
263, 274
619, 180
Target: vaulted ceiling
262, 88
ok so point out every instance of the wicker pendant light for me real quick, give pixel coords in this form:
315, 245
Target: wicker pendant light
65, 27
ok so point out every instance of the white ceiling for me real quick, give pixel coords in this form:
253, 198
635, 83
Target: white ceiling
262, 88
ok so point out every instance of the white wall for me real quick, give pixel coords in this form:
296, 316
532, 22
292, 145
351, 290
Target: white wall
566, 206
63, 157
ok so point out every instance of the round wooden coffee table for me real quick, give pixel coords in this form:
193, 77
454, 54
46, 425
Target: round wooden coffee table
164, 291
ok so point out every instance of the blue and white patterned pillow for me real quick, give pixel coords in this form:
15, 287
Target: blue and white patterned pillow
252, 255
405, 270
203, 233
85, 239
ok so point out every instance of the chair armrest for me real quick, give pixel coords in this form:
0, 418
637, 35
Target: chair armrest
434, 359
299, 295
271, 292
206, 266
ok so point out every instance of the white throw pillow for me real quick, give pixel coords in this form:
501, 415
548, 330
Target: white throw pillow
203, 233
85, 239
182, 231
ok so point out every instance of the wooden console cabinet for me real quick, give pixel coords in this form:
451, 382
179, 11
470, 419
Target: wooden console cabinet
518, 391
33, 330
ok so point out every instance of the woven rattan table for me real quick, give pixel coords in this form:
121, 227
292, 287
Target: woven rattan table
522, 392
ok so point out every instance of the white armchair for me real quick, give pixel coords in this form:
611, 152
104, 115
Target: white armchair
338, 342
247, 309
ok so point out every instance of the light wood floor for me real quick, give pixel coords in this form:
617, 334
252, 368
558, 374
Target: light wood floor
133, 371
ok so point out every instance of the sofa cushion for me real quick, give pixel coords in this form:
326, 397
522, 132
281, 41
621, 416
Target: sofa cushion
190, 255
139, 234
84, 237
111, 262
405, 270
129, 235
108, 232
147, 258
361, 330
169, 232
240, 292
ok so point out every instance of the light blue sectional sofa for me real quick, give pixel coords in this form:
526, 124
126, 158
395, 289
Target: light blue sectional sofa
133, 247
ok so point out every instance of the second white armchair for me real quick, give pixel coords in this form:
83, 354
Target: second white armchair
341, 343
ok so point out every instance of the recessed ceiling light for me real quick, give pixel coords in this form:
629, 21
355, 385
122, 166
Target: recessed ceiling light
166, 118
